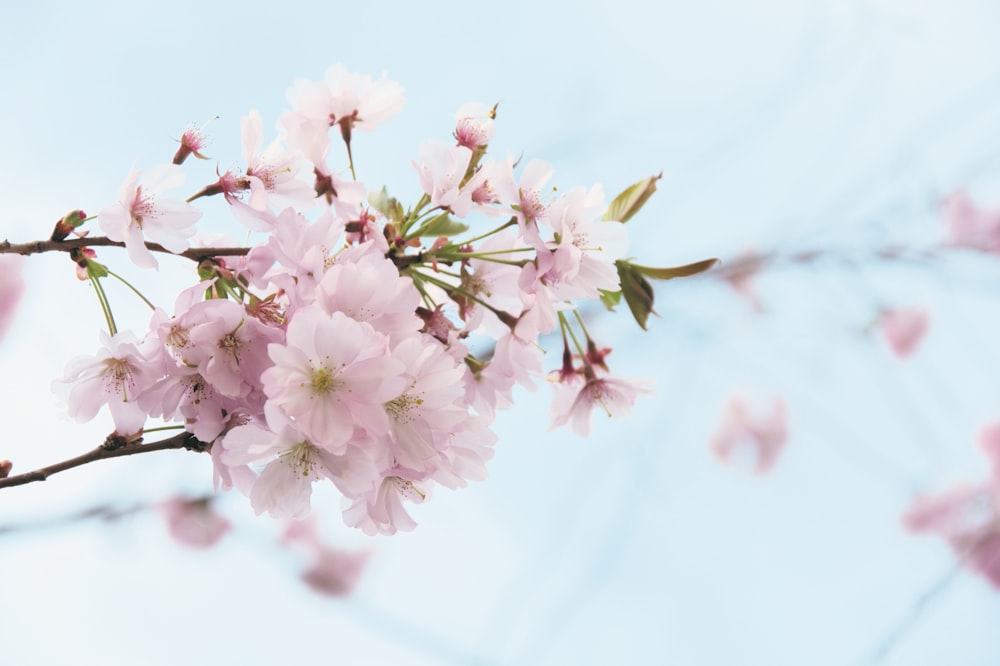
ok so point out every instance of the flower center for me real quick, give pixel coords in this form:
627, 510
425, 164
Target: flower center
324, 381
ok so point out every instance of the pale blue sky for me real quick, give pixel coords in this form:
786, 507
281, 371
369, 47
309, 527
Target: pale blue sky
778, 125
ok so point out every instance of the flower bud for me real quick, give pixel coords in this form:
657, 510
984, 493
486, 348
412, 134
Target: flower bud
65, 226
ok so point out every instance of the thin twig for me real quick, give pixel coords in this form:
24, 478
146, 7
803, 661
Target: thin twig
184, 440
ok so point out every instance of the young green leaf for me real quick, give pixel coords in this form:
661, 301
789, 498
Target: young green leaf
676, 271
440, 225
611, 299
628, 203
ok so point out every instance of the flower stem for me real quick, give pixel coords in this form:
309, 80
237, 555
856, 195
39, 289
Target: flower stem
129, 285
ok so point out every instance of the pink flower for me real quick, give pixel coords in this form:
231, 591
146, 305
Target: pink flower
968, 518
116, 376
425, 414
441, 170
903, 329
293, 462
763, 437
272, 173
972, 227
989, 443
141, 213
614, 396
740, 275
333, 571
371, 290
382, 511
11, 289
475, 125
192, 142
345, 99
193, 522
333, 375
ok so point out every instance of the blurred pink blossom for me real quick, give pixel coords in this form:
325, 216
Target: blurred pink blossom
193, 522
971, 227
740, 276
904, 329
989, 443
763, 436
968, 518
11, 289
333, 571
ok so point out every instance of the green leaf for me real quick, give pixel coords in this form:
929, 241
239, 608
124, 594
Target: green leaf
611, 299
637, 291
96, 270
388, 206
676, 271
440, 225
628, 203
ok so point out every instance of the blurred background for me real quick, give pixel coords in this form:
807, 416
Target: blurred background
819, 133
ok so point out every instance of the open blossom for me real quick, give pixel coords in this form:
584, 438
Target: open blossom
293, 462
371, 290
116, 376
441, 170
344, 98
903, 329
428, 410
575, 401
141, 214
583, 260
761, 437
382, 510
333, 375
273, 172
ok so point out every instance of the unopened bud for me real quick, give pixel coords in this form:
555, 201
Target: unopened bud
5, 467
65, 226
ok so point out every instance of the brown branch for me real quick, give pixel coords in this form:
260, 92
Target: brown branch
111, 448
37, 247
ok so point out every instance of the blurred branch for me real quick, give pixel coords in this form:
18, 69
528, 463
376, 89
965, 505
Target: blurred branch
113, 447
38, 247
751, 263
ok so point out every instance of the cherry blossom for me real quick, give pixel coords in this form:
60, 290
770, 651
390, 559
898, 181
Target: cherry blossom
968, 518
363, 342
141, 213
904, 329
193, 522
332, 375
332, 571
441, 170
970, 226
744, 433
475, 125
116, 377
613, 396
11, 289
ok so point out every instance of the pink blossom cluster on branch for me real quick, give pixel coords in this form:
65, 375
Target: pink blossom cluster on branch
357, 340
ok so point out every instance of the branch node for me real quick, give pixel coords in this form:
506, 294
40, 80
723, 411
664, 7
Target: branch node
114, 441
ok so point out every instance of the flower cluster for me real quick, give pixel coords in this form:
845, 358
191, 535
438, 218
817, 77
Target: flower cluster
356, 340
